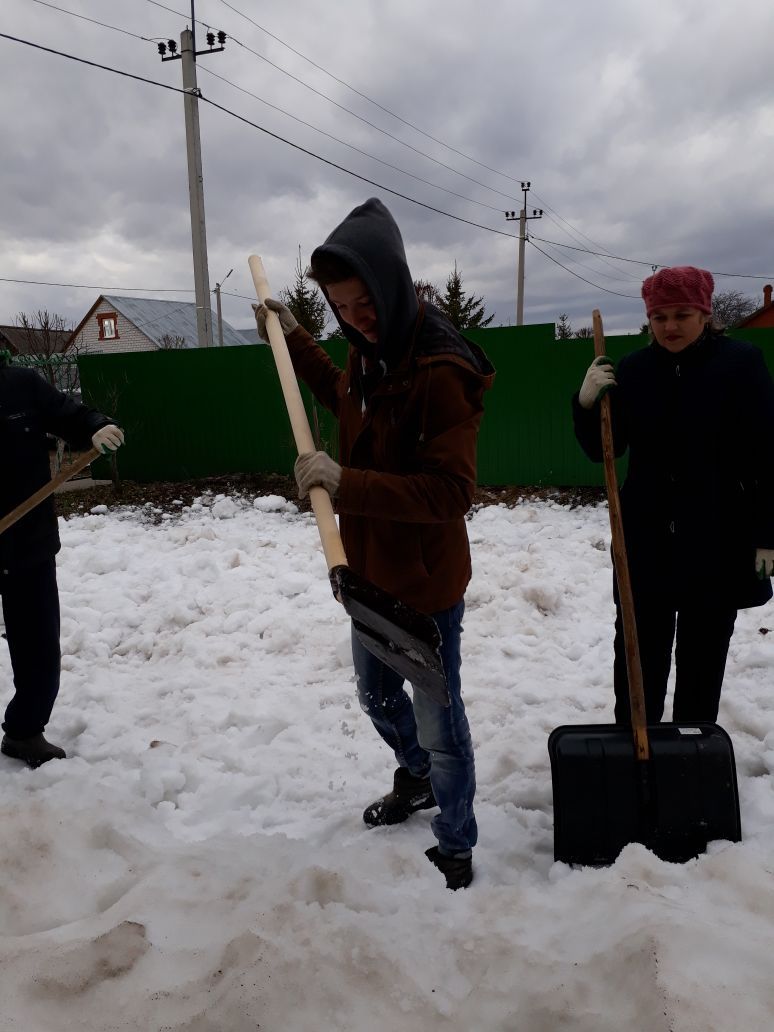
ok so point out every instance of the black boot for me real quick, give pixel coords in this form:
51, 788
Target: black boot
458, 870
408, 795
33, 751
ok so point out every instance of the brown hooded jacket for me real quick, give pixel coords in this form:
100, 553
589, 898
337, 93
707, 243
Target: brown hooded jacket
407, 429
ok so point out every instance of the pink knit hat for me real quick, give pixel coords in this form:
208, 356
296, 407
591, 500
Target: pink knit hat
681, 285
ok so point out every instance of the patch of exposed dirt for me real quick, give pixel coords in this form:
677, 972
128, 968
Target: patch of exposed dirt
167, 497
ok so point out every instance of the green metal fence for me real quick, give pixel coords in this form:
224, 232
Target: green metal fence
211, 411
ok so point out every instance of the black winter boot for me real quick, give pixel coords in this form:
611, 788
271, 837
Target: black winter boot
458, 870
408, 795
33, 751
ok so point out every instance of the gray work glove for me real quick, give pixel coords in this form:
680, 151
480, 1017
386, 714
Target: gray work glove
317, 469
764, 562
108, 438
599, 378
287, 320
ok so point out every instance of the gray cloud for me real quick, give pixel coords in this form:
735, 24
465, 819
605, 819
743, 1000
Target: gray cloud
647, 129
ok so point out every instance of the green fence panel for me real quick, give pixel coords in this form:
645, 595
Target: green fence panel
192, 413
203, 412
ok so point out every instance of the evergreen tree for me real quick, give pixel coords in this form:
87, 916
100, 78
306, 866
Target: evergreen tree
463, 312
306, 302
563, 327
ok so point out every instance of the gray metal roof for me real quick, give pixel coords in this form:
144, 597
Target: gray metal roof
157, 319
250, 335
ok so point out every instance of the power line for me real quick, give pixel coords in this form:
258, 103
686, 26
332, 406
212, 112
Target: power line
171, 11
370, 100
597, 271
92, 64
115, 28
91, 286
577, 238
640, 261
275, 107
372, 125
634, 297
576, 233
355, 175
597, 253
341, 168
268, 132
358, 150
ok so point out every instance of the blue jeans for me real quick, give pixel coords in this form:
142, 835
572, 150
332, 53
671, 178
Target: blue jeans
425, 737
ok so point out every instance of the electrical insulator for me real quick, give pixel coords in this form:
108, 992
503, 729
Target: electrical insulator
221, 37
172, 46
162, 48
210, 39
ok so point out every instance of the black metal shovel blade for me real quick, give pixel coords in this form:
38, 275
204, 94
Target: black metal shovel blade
405, 640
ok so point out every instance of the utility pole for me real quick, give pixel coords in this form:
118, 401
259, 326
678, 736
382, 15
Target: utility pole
510, 216
188, 54
220, 317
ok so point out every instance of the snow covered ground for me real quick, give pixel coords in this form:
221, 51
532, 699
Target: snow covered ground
199, 862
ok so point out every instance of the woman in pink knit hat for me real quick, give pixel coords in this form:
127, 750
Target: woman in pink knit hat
695, 409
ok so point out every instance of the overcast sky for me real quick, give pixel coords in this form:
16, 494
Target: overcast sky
645, 129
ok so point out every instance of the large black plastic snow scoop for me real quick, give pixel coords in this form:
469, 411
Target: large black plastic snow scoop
406, 640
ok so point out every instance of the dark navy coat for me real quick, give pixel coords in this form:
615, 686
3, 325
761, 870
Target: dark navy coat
30, 408
698, 498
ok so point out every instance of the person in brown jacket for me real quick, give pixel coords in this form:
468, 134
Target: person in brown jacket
409, 406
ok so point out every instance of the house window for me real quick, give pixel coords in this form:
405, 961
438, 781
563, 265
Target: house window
108, 326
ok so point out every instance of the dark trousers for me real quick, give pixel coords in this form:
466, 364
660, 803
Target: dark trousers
31, 615
700, 630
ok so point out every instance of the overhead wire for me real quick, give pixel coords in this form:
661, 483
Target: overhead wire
91, 286
94, 21
365, 96
358, 150
309, 125
651, 264
607, 290
592, 269
361, 118
598, 252
260, 128
350, 172
412, 175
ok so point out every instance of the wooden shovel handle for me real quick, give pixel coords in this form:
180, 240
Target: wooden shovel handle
631, 643
62, 477
318, 496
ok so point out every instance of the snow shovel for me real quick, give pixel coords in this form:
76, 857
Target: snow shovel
406, 640
61, 478
669, 786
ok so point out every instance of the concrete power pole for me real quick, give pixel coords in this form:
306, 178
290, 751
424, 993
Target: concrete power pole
220, 316
196, 190
537, 213
188, 54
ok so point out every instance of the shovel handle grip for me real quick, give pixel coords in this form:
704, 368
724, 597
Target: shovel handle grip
302, 434
620, 561
62, 477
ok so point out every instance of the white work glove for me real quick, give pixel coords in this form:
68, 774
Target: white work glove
764, 562
287, 320
317, 469
600, 377
108, 438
